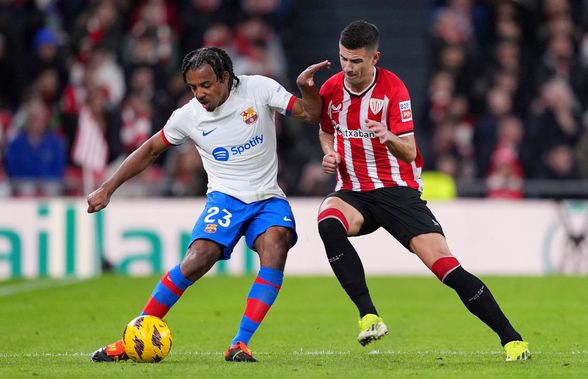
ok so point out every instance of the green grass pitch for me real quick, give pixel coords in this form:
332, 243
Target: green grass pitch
50, 328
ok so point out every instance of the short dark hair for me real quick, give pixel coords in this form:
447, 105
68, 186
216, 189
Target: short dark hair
360, 34
217, 58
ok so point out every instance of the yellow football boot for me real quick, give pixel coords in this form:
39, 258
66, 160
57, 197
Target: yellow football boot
517, 351
371, 328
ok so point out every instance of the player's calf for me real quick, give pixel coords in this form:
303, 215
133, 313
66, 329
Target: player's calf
477, 298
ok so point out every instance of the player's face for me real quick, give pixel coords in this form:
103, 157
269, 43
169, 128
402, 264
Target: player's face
207, 89
358, 65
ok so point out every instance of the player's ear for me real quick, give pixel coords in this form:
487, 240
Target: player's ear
226, 76
376, 57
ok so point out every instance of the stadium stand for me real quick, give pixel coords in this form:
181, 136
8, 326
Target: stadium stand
500, 88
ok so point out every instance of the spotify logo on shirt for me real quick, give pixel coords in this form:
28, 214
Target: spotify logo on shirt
222, 154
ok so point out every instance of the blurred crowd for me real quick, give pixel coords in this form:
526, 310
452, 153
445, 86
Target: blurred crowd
84, 82
508, 95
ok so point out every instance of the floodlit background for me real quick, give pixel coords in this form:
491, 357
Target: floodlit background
500, 99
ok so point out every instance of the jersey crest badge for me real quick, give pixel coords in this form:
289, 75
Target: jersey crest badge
249, 116
376, 105
405, 111
210, 228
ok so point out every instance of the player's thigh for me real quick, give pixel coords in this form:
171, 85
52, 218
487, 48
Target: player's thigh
271, 214
222, 222
403, 213
353, 216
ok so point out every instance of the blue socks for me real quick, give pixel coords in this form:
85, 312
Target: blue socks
262, 295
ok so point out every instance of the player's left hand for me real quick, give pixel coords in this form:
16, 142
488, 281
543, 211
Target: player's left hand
381, 132
330, 162
306, 77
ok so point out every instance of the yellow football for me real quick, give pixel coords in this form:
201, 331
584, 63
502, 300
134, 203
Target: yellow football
147, 339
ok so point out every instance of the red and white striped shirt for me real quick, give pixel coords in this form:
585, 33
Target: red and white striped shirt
366, 164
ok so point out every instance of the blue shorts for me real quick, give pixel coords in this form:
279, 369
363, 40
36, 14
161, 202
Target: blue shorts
225, 219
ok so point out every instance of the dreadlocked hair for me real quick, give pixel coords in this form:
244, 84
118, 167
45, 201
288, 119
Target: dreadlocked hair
217, 58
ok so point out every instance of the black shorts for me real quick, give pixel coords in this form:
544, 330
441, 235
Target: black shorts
399, 210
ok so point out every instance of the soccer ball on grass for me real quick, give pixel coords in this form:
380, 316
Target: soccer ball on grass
147, 339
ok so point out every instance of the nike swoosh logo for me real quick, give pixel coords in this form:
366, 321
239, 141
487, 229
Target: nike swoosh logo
204, 134
286, 218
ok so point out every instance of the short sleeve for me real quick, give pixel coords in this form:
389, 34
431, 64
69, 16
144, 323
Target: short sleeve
173, 132
400, 111
273, 94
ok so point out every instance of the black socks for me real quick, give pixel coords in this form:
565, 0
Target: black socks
479, 300
346, 264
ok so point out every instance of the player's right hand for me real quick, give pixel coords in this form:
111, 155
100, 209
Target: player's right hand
98, 200
330, 162
306, 77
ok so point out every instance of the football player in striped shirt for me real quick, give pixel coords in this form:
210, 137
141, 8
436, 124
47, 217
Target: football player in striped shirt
231, 122
367, 136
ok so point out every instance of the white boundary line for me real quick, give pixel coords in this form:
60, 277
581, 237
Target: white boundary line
36, 285
309, 352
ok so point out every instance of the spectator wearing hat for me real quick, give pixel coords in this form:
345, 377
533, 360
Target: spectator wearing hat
46, 55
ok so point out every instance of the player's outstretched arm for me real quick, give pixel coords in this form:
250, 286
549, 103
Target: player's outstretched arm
309, 107
135, 163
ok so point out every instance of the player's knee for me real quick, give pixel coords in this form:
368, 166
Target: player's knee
332, 222
277, 241
274, 249
279, 246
